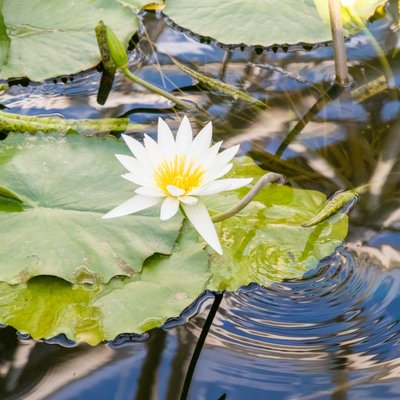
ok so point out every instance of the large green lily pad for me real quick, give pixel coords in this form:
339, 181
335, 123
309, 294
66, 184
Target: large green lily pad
262, 22
40, 39
66, 183
49, 306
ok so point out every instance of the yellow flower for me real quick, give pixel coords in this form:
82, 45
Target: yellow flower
178, 172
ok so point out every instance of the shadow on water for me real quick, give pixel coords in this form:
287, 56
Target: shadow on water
333, 334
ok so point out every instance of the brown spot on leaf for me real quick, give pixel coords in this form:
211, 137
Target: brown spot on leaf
125, 267
24, 276
82, 276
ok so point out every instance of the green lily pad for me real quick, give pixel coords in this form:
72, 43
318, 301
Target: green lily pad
266, 242
166, 287
66, 184
48, 306
40, 39
262, 22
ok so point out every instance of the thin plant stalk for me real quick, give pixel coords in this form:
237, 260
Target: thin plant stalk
113, 55
266, 179
339, 49
154, 89
331, 94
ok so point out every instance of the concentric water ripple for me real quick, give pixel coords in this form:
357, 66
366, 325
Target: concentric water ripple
341, 317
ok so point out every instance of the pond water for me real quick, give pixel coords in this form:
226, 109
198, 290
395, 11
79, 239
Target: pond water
332, 335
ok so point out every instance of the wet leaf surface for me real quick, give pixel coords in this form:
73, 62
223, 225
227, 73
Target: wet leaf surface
40, 39
266, 242
67, 183
263, 22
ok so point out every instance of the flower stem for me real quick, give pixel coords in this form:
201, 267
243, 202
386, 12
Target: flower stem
265, 180
200, 344
154, 89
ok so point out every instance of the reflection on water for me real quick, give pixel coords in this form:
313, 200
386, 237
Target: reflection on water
332, 335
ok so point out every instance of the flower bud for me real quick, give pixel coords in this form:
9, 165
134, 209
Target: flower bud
117, 50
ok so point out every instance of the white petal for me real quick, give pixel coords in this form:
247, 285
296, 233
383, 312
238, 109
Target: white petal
198, 216
175, 191
190, 200
223, 185
201, 142
199, 189
165, 139
137, 150
211, 154
216, 172
150, 191
184, 137
169, 207
135, 204
138, 179
135, 147
226, 155
154, 151
130, 163
133, 165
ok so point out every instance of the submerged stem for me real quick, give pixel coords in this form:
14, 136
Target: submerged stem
200, 343
154, 89
331, 94
266, 179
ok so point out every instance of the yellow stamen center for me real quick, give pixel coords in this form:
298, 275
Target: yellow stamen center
177, 172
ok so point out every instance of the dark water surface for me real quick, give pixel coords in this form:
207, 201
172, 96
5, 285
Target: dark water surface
333, 335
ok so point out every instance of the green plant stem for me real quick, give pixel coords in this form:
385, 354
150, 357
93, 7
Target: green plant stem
154, 89
266, 179
339, 49
331, 94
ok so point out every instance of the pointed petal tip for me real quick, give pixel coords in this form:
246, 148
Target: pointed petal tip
110, 215
161, 122
237, 148
201, 220
219, 251
184, 121
216, 247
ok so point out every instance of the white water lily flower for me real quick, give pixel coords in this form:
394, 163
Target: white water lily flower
177, 172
